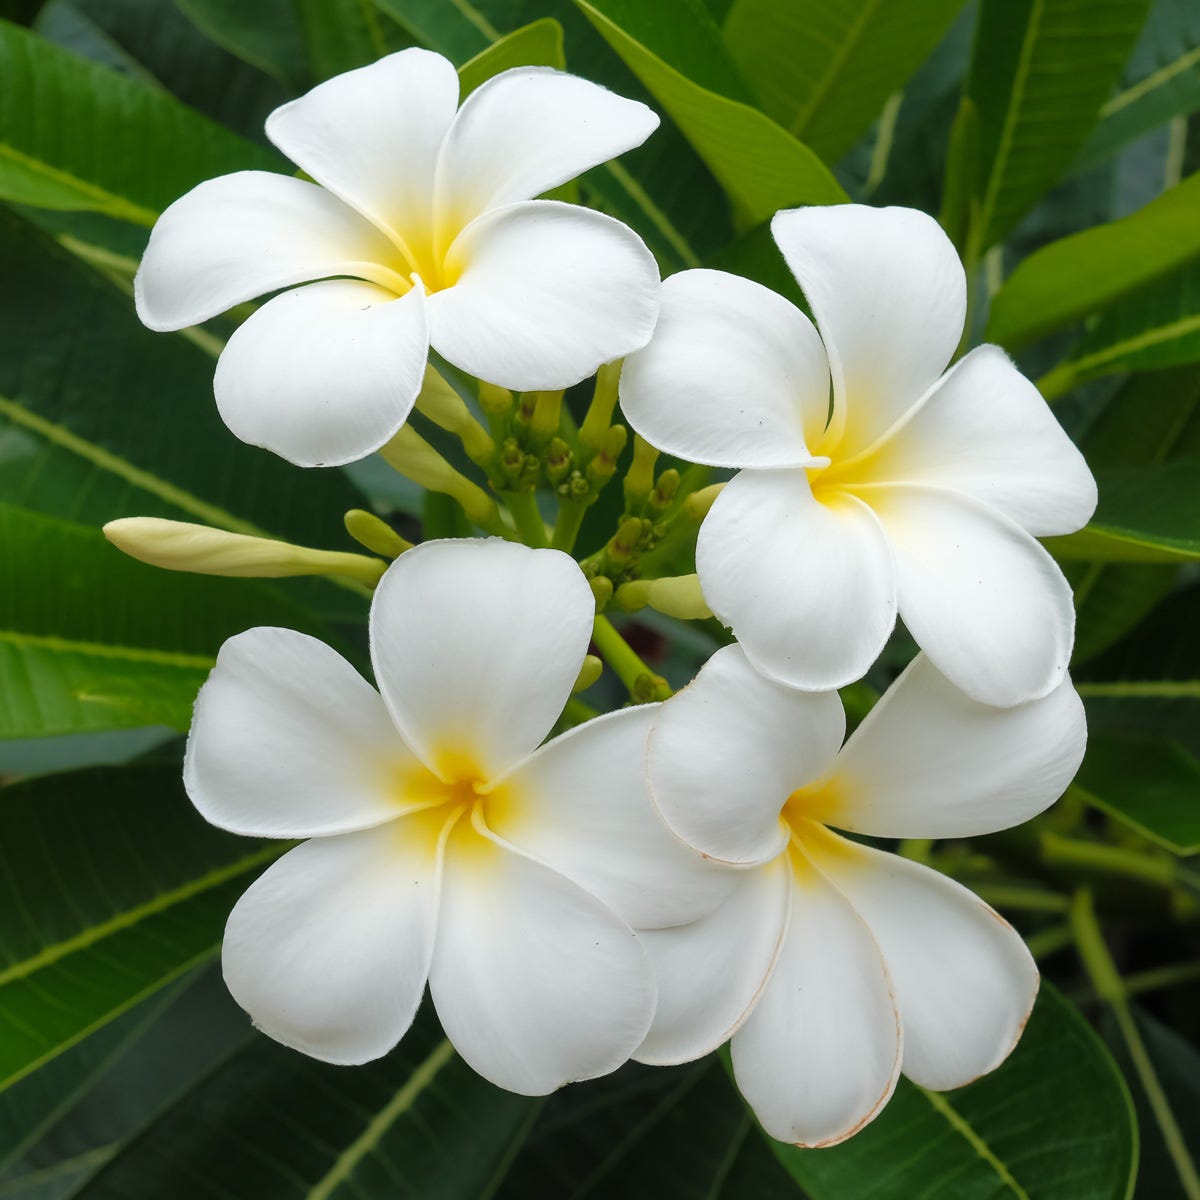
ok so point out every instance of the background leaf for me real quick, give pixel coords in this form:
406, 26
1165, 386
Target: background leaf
1039, 73
823, 70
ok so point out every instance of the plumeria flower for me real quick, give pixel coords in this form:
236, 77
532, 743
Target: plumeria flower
835, 966
419, 231
444, 845
911, 491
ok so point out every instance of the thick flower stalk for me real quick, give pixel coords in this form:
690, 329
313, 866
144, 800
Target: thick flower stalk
834, 966
907, 491
421, 230
444, 844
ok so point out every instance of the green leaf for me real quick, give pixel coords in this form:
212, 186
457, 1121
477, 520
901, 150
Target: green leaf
92, 640
824, 68
1055, 1122
266, 34
760, 165
538, 44
163, 49
647, 1133
1039, 73
1086, 272
1150, 784
1145, 514
343, 34
115, 886
74, 135
1158, 326
1161, 80
270, 1122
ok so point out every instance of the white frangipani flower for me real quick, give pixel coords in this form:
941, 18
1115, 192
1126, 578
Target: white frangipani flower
444, 844
914, 491
835, 966
420, 230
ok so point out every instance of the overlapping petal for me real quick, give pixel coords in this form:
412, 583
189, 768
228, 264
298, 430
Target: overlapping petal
931, 762
288, 740
580, 804
808, 587
985, 430
986, 602
820, 1054
963, 979
542, 294
536, 982
372, 137
329, 950
734, 376
476, 647
725, 753
325, 374
889, 296
711, 972
525, 131
239, 236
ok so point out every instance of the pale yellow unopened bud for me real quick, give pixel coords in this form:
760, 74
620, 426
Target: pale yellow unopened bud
678, 596
696, 506
446, 408
588, 673
182, 546
377, 535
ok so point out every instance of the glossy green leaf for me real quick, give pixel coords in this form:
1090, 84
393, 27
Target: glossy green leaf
270, 1122
267, 34
1161, 80
1145, 514
646, 1133
1086, 272
824, 68
1055, 1122
115, 886
1150, 784
761, 166
1040, 71
163, 49
74, 135
538, 44
1158, 326
343, 34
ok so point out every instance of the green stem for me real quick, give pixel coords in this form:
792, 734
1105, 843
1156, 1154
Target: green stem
1049, 941
1022, 899
527, 518
577, 711
1151, 981
566, 528
1110, 988
642, 683
1108, 860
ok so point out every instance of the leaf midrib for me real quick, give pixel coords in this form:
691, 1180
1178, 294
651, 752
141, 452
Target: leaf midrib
971, 1136
820, 94
138, 654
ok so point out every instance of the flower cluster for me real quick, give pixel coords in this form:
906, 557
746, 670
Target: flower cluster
662, 879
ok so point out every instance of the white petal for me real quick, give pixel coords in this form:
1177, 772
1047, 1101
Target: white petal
889, 297
711, 972
288, 740
329, 950
983, 599
735, 375
476, 646
819, 1055
535, 981
580, 804
240, 236
963, 979
930, 762
527, 130
544, 293
808, 587
727, 751
325, 374
372, 137
985, 430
